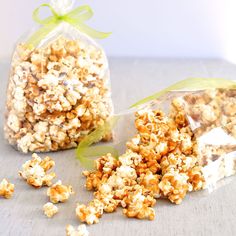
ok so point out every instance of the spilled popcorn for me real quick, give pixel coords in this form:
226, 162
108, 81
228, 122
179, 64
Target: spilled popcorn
169, 156
6, 189
59, 192
50, 209
81, 231
34, 171
159, 162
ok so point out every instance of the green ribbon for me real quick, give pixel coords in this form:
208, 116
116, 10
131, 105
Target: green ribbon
84, 151
191, 84
76, 18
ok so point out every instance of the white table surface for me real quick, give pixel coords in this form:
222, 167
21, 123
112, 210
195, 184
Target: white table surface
132, 79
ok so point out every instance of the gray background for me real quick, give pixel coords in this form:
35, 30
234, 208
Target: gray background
132, 79
150, 28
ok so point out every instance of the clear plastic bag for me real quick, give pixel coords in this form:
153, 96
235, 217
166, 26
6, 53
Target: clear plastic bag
179, 140
59, 86
208, 117
211, 117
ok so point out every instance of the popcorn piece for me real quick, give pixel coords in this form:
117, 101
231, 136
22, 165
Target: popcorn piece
174, 186
13, 122
196, 178
138, 205
47, 163
143, 213
24, 142
35, 171
177, 161
93, 179
126, 172
6, 189
59, 193
150, 182
81, 230
130, 159
107, 198
106, 163
50, 209
91, 213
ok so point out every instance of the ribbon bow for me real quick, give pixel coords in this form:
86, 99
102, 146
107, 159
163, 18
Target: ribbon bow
76, 18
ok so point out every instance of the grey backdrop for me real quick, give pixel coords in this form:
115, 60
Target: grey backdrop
150, 28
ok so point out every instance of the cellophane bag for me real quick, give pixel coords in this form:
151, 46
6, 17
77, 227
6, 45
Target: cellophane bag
58, 90
179, 140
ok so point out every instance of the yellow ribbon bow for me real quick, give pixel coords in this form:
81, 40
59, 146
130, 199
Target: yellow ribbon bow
76, 18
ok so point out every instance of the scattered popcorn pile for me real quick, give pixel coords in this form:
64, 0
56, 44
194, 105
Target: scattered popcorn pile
56, 95
81, 231
35, 171
6, 189
50, 209
167, 158
159, 162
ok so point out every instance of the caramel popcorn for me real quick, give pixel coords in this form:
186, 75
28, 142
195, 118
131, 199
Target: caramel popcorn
159, 162
34, 171
138, 204
59, 192
81, 230
50, 209
56, 95
174, 185
6, 189
94, 178
91, 213
106, 164
169, 156
151, 183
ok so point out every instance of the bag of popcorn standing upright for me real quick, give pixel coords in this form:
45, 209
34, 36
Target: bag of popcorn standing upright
58, 89
179, 140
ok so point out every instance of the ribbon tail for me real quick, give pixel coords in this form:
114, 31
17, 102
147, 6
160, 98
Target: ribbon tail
84, 151
90, 31
84, 155
190, 84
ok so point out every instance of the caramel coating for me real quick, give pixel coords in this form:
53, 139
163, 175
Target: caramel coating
56, 95
169, 156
